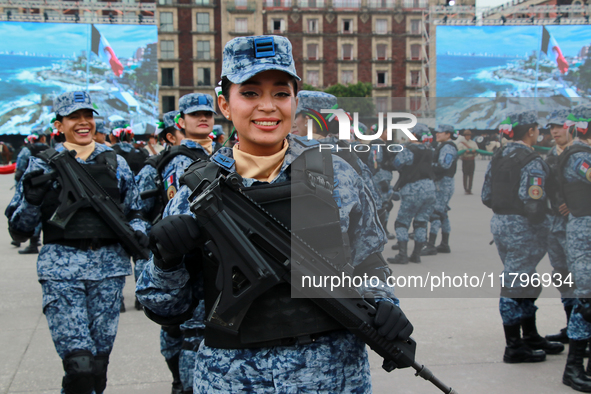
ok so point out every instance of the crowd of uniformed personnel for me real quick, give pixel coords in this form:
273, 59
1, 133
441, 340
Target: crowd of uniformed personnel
83, 262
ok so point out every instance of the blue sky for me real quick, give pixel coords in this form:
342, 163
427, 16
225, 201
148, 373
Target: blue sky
509, 40
66, 38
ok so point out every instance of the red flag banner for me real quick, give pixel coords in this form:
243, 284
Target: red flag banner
102, 48
549, 44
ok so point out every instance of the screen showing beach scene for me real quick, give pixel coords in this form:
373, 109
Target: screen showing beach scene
513, 61
116, 64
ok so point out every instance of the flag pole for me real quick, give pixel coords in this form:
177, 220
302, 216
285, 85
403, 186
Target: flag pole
538, 60
89, 32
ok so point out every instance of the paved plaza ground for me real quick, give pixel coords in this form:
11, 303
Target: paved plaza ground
460, 339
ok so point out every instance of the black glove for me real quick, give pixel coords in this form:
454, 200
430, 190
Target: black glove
173, 237
391, 322
35, 194
142, 239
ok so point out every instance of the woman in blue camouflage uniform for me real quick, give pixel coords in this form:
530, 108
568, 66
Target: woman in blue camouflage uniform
82, 278
444, 167
259, 84
514, 189
417, 191
574, 168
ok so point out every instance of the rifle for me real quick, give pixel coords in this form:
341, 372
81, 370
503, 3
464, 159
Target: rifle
261, 252
80, 190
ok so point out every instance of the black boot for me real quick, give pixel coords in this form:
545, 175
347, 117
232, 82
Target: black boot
33, 247
561, 336
15, 243
430, 249
395, 246
533, 340
574, 372
137, 305
173, 365
122, 308
402, 256
444, 245
516, 351
101, 362
415, 257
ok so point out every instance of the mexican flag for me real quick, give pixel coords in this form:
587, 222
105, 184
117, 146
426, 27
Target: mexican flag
549, 44
102, 48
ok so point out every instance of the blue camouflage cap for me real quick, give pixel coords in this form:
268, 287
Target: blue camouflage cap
119, 124
558, 116
169, 119
67, 103
582, 111
524, 118
194, 102
308, 99
100, 127
420, 129
444, 128
217, 130
244, 57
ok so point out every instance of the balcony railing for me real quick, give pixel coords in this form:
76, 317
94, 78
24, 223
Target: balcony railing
241, 6
277, 4
415, 4
346, 4
381, 4
311, 3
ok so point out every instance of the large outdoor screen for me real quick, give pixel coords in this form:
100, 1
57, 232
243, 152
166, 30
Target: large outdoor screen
41, 60
513, 61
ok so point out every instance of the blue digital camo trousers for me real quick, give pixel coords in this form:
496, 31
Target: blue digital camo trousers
444, 190
170, 345
335, 363
187, 368
83, 314
521, 247
417, 201
579, 253
557, 253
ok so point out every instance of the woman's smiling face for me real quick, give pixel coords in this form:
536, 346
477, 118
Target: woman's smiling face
260, 109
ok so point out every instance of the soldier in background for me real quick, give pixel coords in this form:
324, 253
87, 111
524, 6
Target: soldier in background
121, 137
514, 188
468, 159
81, 268
101, 133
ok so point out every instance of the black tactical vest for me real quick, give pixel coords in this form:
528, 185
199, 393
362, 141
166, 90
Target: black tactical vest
86, 224
441, 172
134, 158
552, 187
274, 318
421, 167
159, 162
577, 195
505, 180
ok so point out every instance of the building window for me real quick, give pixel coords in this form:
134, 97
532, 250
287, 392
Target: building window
312, 25
415, 104
278, 3
167, 76
203, 50
278, 25
166, 21
202, 2
346, 3
203, 21
165, 2
382, 104
347, 51
346, 77
381, 26
311, 3
382, 75
415, 26
203, 77
168, 103
241, 25
415, 78
381, 4
415, 51
312, 51
167, 49
313, 78
381, 51
347, 26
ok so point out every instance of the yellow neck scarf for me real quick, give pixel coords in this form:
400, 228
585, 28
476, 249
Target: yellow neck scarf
206, 143
261, 168
82, 151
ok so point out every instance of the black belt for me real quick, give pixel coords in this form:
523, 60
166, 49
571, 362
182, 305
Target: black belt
214, 341
85, 244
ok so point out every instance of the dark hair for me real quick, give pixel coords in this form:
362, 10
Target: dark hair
226, 84
521, 130
59, 118
166, 131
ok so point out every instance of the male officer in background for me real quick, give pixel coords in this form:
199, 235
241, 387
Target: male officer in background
81, 268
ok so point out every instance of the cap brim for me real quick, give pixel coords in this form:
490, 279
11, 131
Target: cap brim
245, 75
197, 108
73, 108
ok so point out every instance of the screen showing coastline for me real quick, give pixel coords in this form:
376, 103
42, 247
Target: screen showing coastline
41, 60
514, 61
